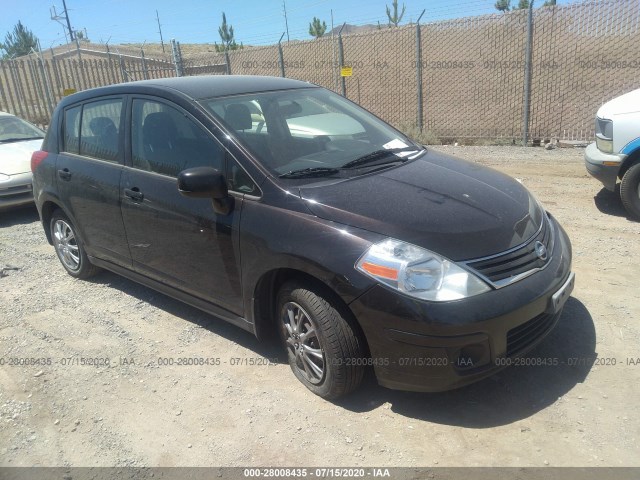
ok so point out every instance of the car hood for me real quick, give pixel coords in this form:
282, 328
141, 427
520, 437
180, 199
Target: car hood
624, 104
15, 157
453, 207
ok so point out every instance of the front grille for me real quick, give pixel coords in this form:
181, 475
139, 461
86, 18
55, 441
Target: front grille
504, 268
522, 336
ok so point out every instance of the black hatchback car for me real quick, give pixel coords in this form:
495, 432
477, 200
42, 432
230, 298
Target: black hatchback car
280, 206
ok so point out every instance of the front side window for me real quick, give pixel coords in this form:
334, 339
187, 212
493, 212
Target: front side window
164, 140
238, 180
99, 133
309, 129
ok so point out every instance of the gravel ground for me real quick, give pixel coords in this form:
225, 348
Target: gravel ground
133, 412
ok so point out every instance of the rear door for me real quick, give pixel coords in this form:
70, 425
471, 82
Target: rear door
89, 168
173, 239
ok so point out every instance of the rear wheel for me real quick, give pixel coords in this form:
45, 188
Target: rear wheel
630, 191
324, 347
69, 247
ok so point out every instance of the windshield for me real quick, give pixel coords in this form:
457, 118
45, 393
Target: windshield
14, 129
310, 132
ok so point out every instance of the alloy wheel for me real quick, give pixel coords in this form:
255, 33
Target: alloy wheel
303, 343
66, 245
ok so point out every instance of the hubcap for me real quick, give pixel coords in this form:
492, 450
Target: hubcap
66, 245
303, 343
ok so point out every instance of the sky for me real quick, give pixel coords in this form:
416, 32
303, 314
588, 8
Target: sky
255, 22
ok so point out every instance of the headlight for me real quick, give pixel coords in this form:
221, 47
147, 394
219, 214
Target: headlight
604, 145
604, 135
418, 272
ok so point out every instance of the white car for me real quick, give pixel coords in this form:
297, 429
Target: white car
616, 151
18, 140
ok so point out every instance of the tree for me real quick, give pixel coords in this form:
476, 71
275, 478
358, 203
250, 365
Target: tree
317, 29
503, 5
226, 35
81, 36
395, 18
19, 42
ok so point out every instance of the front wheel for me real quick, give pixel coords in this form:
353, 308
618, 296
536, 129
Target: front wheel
630, 191
69, 247
324, 346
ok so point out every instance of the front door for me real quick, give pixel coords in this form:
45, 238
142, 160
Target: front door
173, 239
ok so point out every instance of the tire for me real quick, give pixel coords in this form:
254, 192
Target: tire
329, 362
69, 247
630, 191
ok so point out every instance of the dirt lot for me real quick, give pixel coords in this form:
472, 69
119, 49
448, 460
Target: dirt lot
136, 413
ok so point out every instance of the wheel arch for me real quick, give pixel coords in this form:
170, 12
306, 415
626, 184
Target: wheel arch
46, 212
265, 293
630, 161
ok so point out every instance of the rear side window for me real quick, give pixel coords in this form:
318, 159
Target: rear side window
99, 135
72, 130
164, 140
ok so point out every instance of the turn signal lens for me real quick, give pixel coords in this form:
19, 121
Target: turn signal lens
380, 271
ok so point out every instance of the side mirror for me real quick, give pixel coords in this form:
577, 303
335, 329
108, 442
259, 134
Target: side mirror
206, 182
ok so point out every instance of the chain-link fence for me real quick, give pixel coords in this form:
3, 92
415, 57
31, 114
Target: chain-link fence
31, 87
450, 80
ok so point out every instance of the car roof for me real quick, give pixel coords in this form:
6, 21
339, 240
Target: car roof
223, 85
206, 86
6, 114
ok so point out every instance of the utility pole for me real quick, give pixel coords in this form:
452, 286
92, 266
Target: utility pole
333, 47
72, 36
527, 77
286, 23
66, 14
160, 30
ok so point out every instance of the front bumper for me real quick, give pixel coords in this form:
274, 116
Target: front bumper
422, 346
603, 166
16, 191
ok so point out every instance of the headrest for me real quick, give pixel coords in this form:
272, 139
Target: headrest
159, 124
238, 116
102, 125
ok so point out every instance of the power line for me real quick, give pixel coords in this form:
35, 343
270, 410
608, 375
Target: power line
295, 15
58, 18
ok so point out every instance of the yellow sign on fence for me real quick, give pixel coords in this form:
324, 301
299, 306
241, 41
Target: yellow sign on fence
346, 71
68, 91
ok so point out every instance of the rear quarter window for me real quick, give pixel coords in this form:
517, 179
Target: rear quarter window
71, 130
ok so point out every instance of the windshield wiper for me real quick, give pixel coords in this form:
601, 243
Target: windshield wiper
380, 154
19, 139
309, 172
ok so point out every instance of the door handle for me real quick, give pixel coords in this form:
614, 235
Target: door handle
134, 194
64, 174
